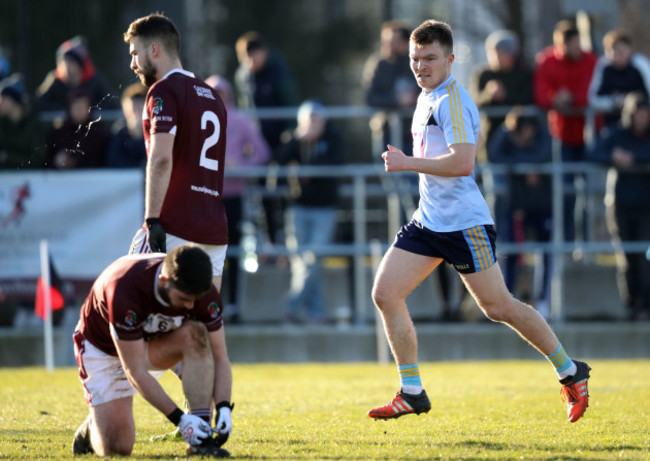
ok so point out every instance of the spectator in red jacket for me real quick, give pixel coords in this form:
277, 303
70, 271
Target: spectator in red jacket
561, 83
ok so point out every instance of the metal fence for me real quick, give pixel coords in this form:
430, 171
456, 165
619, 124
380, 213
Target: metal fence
361, 181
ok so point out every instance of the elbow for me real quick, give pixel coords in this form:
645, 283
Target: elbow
160, 163
466, 167
466, 171
131, 378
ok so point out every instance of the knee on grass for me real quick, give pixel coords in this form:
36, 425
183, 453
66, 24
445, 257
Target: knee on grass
117, 445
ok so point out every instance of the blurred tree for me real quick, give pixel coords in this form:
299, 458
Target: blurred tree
634, 19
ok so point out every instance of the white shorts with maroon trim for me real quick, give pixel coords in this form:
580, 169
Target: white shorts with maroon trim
217, 253
102, 375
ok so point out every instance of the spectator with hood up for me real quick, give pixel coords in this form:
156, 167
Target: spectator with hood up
21, 134
74, 70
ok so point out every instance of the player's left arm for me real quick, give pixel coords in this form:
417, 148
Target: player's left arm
459, 161
222, 369
222, 385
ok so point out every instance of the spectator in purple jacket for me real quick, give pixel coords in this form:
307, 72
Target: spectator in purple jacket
245, 146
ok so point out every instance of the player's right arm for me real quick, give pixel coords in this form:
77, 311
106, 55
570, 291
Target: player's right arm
132, 355
459, 161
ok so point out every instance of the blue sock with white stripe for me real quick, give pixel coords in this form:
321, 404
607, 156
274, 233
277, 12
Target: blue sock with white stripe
564, 366
409, 378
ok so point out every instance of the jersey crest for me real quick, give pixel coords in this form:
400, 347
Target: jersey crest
131, 318
214, 309
157, 105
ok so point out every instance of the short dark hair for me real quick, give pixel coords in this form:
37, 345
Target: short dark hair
517, 119
250, 41
401, 27
158, 27
613, 37
434, 31
189, 269
134, 91
566, 29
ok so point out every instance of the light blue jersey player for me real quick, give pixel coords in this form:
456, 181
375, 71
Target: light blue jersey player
452, 223
444, 117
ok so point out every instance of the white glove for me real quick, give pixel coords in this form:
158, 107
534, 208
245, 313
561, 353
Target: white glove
223, 424
193, 429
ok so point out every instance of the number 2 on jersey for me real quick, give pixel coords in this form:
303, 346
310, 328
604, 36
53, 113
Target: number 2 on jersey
209, 116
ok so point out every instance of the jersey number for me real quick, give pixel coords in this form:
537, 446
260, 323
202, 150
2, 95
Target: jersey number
209, 116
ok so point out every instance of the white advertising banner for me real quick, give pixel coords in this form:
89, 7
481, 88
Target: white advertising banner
88, 218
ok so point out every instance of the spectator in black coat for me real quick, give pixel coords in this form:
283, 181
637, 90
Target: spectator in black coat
619, 72
311, 218
524, 205
628, 197
22, 137
127, 149
78, 141
263, 80
389, 82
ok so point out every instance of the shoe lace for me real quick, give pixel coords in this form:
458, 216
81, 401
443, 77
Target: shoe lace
569, 394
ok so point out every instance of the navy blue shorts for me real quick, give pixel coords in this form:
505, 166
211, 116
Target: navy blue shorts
469, 250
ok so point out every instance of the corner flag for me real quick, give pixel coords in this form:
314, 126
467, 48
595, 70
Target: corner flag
55, 293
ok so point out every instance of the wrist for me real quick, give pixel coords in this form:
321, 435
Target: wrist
151, 221
175, 416
224, 403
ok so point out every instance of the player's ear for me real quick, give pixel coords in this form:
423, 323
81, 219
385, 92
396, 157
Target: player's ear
155, 49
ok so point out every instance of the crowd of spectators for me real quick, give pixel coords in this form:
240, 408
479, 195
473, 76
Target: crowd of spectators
563, 81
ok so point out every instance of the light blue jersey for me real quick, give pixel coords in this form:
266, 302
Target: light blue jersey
445, 116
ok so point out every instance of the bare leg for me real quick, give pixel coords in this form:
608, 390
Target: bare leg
399, 274
490, 292
189, 343
112, 431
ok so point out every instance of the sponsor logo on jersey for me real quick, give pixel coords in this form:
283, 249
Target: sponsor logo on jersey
205, 190
161, 323
203, 92
131, 318
157, 105
213, 309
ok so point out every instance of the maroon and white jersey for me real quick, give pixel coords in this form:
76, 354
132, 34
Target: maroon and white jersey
124, 303
189, 109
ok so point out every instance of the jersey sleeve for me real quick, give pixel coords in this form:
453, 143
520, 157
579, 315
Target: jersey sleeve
456, 118
126, 320
208, 310
162, 108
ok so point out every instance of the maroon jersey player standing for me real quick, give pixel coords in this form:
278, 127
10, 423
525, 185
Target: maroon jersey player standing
184, 123
146, 314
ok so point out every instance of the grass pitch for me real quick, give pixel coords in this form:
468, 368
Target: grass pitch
481, 410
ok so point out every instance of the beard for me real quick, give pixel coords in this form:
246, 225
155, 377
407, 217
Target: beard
147, 73
163, 291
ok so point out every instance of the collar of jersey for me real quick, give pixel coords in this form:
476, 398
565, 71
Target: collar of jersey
180, 71
155, 288
442, 86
